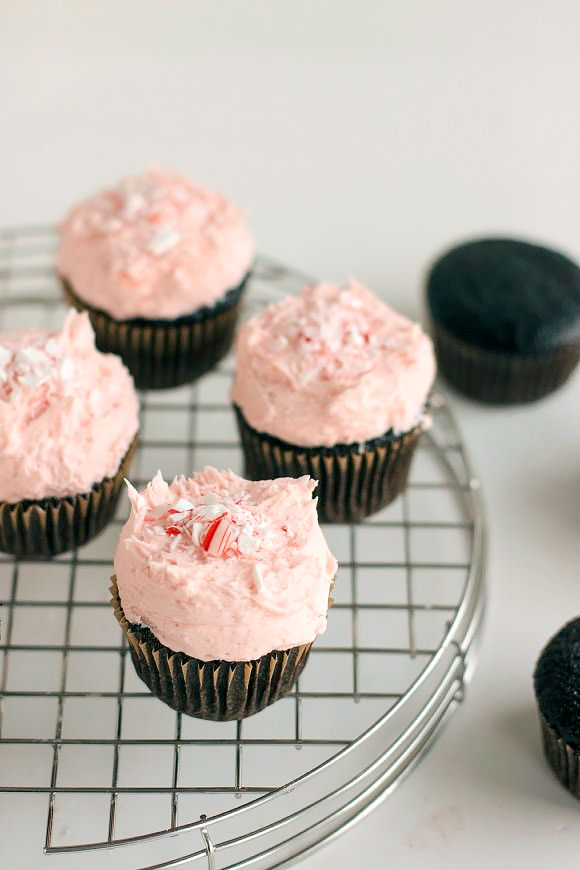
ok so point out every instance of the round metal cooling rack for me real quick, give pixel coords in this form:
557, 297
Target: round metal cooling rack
115, 766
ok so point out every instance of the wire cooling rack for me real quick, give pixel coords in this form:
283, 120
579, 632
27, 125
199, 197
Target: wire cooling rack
112, 765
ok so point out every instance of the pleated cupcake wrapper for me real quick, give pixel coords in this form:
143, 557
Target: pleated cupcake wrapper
216, 690
500, 378
47, 527
562, 758
165, 353
354, 481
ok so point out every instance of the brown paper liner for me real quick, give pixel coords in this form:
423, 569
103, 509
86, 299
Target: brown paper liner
215, 690
167, 353
562, 758
354, 481
500, 378
49, 526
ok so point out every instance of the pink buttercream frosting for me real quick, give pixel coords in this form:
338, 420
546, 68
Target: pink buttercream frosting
155, 246
219, 567
332, 365
67, 412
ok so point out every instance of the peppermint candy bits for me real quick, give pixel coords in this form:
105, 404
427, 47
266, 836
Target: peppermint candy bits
219, 537
29, 367
220, 528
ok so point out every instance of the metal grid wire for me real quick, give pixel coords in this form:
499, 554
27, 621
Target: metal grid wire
117, 766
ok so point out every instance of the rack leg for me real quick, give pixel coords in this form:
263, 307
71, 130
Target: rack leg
209, 846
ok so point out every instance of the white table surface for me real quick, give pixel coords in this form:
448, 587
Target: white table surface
361, 139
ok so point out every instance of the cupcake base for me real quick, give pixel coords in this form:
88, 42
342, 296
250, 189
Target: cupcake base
354, 480
562, 758
166, 353
499, 378
215, 690
49, 526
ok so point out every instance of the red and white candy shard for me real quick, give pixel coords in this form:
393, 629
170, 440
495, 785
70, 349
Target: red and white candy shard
216, 527
180, 511
219, 537
172, 531
203, 512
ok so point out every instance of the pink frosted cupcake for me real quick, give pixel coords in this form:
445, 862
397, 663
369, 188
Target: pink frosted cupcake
68, 426
221, 587
333, 383
160, 265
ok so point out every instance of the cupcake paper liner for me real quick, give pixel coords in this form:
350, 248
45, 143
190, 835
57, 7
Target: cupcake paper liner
501, 378
49, 526
167, 353
354, 480
562, 758
216, 690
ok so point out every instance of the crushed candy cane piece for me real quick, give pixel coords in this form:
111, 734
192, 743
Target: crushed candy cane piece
219, 536
258, 578
172, 531
182, 504
209, 498
178, 516
208, 512
163, 240
214, 523
31, 367
29, 356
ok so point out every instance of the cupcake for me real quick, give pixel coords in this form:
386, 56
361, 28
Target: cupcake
161, 266
221, 586
506, 319
557, 687
68, 427
333, 383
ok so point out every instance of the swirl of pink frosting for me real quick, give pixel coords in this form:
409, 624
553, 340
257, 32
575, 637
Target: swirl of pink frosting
219, 567
332, 365
155, 246
67, 412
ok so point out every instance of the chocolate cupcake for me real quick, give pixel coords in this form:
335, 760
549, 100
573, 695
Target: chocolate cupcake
506, 319
221, 587
68, 427
333, 383
161, 266
557, 687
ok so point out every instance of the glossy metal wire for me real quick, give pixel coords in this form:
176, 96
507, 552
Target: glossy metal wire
360, 772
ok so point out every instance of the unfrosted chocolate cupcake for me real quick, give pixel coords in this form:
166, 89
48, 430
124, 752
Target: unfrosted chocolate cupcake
506, 319
557, 687
68, 427
333, 383
221, 587
160, 265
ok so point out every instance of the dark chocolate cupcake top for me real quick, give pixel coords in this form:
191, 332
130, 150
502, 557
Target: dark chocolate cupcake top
557, 683
507, 295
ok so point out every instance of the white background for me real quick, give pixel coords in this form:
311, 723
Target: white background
360, 138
